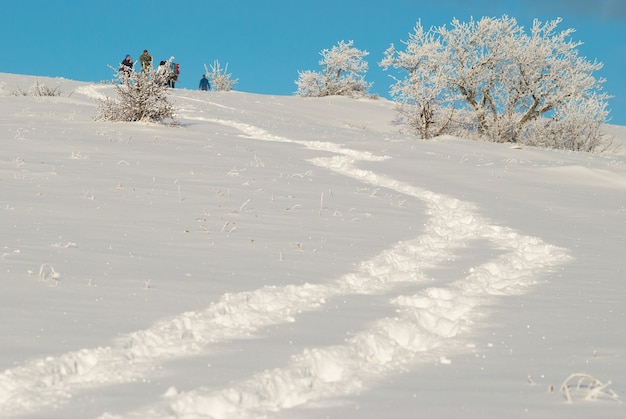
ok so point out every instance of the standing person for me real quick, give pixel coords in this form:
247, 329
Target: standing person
146, 60
174, 76
204, 83
161, 74
126, 66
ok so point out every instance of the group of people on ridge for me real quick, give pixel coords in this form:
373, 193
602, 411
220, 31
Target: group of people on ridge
165, 74
127, 64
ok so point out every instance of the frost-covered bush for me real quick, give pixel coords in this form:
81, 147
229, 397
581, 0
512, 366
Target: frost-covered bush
492, 80
141, 96
222, 81
38, 89
343, 73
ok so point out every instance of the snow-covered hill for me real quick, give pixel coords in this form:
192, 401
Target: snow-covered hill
288, 257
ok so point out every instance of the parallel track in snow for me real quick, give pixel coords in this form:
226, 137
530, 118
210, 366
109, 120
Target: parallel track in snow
427, 325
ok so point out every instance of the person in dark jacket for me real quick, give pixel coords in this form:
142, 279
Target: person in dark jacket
126, 66
204, 83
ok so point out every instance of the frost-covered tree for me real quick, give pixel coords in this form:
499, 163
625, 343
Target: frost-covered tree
343, 73
222, 81
141, 96
506, 85
421, 94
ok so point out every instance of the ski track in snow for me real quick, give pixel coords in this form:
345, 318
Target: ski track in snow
428, 325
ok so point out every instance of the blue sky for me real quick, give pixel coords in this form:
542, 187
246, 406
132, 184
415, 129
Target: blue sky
265, 43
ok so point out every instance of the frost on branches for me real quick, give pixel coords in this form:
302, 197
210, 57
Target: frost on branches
222, 81
489, 79
140, 97
343, 74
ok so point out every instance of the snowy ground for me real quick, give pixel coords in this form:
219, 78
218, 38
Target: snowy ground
285, 257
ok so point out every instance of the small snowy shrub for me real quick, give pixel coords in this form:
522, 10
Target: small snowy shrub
222, 81
140, 97
38, 89
343, 74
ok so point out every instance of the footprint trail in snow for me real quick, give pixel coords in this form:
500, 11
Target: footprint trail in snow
424, 328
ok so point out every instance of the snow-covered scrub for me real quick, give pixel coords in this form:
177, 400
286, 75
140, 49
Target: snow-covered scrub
222, 80
343, 73
492, 80
37, 89
140, 96
289, 257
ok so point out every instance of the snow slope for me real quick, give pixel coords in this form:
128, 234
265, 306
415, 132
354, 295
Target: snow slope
292, 257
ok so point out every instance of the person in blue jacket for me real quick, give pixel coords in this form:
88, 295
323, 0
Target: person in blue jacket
204, 83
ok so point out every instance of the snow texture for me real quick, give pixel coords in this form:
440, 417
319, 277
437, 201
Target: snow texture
300, 257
